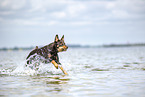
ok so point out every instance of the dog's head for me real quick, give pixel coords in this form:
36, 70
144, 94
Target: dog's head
60, 44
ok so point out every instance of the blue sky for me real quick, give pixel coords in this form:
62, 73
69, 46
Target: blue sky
86, 22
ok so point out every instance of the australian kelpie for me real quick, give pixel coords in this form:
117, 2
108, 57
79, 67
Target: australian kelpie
47, 54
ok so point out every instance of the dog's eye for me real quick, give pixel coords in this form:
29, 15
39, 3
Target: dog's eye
61, 43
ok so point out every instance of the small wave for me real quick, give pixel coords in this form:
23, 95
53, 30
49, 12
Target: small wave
99, 69
22, 70
19, 70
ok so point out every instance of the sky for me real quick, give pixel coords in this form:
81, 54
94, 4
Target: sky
25, 23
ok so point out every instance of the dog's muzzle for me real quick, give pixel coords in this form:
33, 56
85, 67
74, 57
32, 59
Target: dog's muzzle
62, 48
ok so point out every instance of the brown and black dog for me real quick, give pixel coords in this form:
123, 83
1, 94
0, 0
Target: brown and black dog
47, 54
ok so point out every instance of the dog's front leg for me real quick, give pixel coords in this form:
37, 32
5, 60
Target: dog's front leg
63, 70
56, 65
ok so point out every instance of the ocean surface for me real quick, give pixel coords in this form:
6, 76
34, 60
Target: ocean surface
93, 72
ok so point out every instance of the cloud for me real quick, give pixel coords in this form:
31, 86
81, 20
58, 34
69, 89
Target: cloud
79, 16
74, 11
12, 5
127, 9
58, 14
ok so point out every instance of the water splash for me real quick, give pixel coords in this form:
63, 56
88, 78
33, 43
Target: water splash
22, 70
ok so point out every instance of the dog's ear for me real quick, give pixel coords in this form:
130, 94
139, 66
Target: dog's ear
56, 38
62, 38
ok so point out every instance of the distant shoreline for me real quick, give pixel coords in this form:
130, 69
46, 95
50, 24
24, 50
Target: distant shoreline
78, 46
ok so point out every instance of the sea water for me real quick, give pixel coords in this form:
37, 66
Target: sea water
93, 72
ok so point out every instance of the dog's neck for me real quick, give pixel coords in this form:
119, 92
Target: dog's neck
52, 47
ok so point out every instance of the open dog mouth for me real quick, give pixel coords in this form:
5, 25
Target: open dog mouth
62, 48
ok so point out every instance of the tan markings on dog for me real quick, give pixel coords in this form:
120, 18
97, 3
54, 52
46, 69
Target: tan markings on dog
49, 55
55, 64
62, 48
36, 47
56, 38
63, 70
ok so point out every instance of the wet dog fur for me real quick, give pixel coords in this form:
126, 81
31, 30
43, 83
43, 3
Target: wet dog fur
46, 54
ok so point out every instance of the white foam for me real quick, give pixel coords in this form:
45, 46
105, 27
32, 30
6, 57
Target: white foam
22, 70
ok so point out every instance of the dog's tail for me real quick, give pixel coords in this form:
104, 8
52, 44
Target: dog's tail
32, 52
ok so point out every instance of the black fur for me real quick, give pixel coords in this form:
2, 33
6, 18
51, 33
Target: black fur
46, 54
